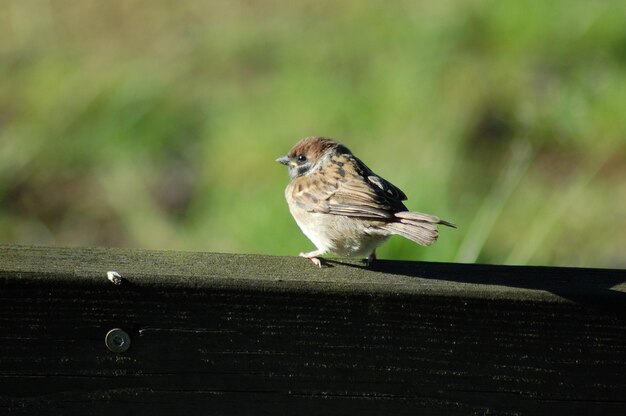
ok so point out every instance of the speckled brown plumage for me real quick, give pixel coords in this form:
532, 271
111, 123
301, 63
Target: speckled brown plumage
345, 208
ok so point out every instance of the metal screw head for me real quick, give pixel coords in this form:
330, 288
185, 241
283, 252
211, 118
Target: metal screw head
117, 340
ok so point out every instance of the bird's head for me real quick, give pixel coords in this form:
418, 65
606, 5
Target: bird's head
308, 153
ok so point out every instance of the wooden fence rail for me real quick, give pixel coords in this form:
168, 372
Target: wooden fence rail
225, 334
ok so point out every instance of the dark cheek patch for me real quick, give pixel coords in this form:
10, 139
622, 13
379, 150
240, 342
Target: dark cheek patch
302, 170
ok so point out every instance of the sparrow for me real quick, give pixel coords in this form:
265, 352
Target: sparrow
343, 207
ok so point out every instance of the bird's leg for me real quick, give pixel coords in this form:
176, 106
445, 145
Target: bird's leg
371, 258
312, 255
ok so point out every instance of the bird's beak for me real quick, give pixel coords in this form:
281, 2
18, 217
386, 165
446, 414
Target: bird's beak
284, 160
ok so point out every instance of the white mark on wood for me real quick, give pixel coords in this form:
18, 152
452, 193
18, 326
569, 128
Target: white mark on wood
114, 277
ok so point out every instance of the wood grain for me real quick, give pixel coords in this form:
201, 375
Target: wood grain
232, 334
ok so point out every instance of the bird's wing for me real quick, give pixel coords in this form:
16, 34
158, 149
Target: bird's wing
346, 186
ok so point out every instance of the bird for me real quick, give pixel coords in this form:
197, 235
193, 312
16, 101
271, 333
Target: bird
343, 207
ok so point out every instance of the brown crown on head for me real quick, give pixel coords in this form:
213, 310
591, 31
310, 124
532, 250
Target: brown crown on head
312, 147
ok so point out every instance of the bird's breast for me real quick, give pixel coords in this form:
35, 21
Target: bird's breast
339, 234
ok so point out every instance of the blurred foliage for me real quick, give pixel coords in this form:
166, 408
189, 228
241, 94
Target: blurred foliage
156, 124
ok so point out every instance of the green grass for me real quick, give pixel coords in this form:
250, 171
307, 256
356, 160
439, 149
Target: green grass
156, 124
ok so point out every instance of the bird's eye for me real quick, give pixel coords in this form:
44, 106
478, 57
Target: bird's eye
301, 158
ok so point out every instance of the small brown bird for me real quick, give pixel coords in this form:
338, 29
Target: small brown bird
345, 208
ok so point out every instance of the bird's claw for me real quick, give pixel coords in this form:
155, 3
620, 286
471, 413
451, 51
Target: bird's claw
311, 256
370, 259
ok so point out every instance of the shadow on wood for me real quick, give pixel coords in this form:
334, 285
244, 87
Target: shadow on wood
244, 334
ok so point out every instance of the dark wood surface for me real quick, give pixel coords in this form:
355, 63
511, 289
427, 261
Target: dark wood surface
225, 334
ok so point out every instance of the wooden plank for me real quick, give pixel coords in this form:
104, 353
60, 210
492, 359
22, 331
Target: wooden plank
244, 334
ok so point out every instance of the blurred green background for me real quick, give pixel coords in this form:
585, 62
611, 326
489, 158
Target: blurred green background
156, 124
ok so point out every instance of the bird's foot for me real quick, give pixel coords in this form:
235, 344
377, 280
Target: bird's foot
371, 258
312, 255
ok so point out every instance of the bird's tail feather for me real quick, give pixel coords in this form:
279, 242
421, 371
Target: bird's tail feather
416, 226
